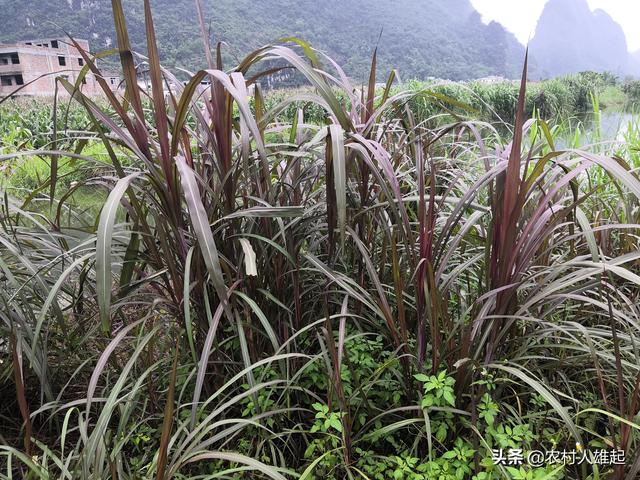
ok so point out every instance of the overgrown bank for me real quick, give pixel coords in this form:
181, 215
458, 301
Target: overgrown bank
495, 100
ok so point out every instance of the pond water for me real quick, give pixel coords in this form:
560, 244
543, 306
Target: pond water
605, 126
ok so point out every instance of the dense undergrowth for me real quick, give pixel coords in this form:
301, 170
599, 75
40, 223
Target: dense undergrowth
370, 294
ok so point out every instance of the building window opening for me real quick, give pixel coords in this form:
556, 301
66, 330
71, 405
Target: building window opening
62, 61
113, 81
80, 61
15, 59
54, 43
19, 80
5, 81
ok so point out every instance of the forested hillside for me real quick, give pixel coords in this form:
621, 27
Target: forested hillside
421, 38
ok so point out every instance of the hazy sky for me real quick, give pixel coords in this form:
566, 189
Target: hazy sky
521, 16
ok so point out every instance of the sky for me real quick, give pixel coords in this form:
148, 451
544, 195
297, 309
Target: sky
521, 16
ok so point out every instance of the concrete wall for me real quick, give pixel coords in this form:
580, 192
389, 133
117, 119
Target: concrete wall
41, 65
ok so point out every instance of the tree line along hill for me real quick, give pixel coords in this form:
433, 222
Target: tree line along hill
420, 38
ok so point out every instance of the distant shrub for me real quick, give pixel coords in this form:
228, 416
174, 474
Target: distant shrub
631, 89
559, 97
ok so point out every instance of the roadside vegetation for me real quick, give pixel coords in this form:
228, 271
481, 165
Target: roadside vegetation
344, 283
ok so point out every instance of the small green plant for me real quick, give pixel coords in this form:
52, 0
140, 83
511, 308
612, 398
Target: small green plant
326, 420
438, 390
488, 409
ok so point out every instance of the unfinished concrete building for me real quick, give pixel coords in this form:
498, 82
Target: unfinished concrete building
30, 68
